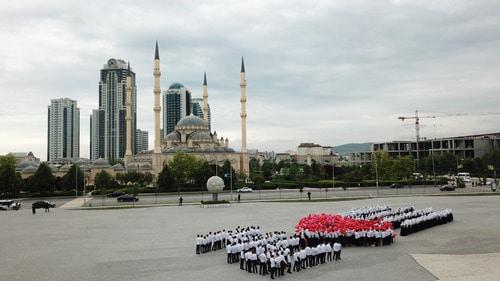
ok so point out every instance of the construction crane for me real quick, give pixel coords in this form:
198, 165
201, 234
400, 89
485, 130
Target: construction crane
417, 126
446, 114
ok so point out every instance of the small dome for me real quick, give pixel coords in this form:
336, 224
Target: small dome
53, 167
30, 169
118, 167
176, 85
65, 168
200, 136
192, 120
25, 164
215, 184
132, 166
102, 163
146, 166
173, 136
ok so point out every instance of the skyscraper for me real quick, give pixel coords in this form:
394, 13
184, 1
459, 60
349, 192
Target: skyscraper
142, 138
63, 130
108, 130
197, 109
176, 104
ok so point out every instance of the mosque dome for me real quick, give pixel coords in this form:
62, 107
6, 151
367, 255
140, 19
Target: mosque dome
215, 184
176, 85
200, 136
24, 164
173, 136
65, 168
101, 163
118, 167
192, 120
30, 169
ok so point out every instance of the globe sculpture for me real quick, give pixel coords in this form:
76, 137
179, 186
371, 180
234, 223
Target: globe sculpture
215, 185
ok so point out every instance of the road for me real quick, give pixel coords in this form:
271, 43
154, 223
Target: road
280, 194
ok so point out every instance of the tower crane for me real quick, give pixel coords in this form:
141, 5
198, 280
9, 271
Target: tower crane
417, 121
417, 125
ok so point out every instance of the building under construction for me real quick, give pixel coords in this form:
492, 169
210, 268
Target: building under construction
471, 146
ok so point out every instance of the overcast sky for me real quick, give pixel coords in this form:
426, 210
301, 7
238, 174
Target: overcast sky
329, 72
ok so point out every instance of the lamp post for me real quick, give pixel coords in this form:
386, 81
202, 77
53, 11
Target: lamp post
433, 166
76, 180
376, 172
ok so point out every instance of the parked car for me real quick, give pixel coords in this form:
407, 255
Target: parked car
127, 198
9, 205
447, 187
43, 205
115, 193
244, 189
396, 185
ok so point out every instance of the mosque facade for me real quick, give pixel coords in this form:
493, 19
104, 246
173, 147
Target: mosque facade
192, 134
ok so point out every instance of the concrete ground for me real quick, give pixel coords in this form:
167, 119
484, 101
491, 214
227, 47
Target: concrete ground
158, 243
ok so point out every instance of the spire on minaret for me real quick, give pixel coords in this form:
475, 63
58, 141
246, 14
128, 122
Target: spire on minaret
128, 69
204, 78
157, 53
242, 65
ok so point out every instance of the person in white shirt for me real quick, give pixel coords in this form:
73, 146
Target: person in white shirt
198, 244
337, 249
273, 266
329, 251
262, 264
229, 253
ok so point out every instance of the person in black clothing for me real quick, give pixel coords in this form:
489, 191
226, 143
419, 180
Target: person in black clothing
309, 195
180, 201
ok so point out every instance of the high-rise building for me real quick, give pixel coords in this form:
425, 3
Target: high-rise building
108, 137
197, 109
142, 138
176, 104
63, 131
96, 134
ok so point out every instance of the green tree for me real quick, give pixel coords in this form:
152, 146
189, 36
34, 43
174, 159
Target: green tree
42, 182
10, 183
267, 170
183, 167
202, 174
70, 179
104, 180
166, 180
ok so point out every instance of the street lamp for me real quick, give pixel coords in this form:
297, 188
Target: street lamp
376, 172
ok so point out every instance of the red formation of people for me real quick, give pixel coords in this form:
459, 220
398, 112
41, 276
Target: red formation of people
328, 223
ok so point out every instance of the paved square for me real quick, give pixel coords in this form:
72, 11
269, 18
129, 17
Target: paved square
158, 243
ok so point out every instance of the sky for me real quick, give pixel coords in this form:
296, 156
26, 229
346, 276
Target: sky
329, 72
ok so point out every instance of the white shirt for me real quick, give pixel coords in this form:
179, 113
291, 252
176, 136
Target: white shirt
337, 247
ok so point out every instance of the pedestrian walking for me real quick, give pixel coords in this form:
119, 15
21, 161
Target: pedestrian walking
309, 195
180, 201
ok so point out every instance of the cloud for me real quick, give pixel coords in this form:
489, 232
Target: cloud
320, 71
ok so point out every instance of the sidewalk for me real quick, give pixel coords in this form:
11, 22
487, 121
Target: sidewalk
75, 203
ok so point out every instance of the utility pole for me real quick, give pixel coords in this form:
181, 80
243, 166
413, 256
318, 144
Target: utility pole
76, 181
376, 173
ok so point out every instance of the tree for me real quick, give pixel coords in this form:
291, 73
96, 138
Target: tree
70, 180
103, 180
202, 174
183, 167
10, 183
42, 182
267, 170
166, 180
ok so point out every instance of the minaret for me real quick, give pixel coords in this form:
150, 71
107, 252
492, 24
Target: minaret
205, 98
244, 164
128, 114
156, 92
243, 114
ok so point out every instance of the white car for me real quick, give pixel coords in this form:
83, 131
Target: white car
9, 205
244, 189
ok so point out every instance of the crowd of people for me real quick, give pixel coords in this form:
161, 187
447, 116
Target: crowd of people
431, 219
397, 219
318, 238
272, 253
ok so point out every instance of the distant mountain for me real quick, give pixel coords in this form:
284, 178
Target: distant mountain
347, 148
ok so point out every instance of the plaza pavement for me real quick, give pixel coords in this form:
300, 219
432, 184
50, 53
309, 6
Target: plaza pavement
158, 243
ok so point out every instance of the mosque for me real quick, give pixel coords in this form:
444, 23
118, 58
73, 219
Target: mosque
192, 134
